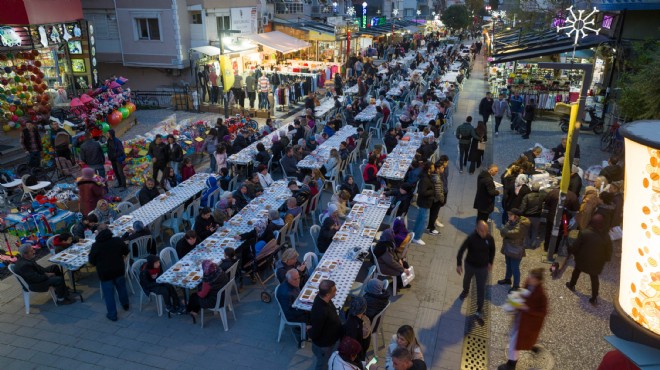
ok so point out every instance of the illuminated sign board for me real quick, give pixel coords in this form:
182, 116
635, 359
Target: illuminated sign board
608, 20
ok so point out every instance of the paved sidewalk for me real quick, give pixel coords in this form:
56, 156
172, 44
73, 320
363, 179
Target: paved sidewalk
79, 336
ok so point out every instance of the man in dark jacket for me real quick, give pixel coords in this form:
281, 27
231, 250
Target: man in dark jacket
480, 247
592, 250
159, 156
39, 278
465, 133
108, 254
377, 298
550, 203
287, 294
205, 225
484, 199
175, 154
92, 155
427, 148
531, 207
290, 164
31, 141
560, 150
486, 107
148, 192
117, 157
326, 326
391, 140
613, 172
240, 142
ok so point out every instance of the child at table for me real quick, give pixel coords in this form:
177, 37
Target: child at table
149, 272
188, 169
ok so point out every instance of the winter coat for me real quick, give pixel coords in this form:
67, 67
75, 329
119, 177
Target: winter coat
531, 321
160, 152
612, 173
376, 303
484, 199
501, 108
509, 190
592, 251
516, 202
116, 151
532, 204
486, 106
175, 153
107, 254
89, 193
475, 154
387, 260
326, 234
147, 282
513, 238
465, 133
425, 191
91, 153
439, 191
575, 184
590, 202
337, 363
33, 274
147, 195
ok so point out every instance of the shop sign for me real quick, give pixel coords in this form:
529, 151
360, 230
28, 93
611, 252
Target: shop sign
378, 21
244, 20
608, 20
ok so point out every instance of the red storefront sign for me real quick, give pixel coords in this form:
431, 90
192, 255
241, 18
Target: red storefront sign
23, 12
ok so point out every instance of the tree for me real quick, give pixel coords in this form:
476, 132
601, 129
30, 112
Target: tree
456, 17
640, 84
474, 5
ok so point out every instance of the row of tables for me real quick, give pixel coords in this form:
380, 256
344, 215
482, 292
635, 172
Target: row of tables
77, 256
341, 262
246, 156
317, 158
398, 162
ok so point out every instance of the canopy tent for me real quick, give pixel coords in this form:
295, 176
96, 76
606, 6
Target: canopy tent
279, 41
208, 50
514, 46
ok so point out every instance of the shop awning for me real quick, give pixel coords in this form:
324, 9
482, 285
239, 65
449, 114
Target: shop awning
208, 50
515, 47
279, 41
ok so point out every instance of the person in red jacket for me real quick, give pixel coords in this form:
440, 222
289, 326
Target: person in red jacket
90, 191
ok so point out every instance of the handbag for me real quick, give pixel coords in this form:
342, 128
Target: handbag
481, 145
512, 251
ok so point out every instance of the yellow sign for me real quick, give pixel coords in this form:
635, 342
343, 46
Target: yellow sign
566, 170
227, 72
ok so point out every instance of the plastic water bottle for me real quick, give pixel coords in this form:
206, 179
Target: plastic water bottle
88, 234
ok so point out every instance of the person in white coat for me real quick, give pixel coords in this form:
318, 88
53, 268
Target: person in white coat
264, 177
344, 357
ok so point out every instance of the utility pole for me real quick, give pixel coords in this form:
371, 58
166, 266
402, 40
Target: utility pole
573, 135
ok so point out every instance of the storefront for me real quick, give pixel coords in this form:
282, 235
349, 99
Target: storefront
514, 67
40, 66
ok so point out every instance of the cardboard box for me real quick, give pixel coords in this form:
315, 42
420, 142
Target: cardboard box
263, 114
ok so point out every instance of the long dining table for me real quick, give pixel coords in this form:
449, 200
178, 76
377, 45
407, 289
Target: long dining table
320, 155
77, 255
342, 260
187, 272
398, 161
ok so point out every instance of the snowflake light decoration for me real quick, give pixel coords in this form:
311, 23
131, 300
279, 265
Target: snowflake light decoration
579, 24
350, 11
419, 12
501, 14
395, 12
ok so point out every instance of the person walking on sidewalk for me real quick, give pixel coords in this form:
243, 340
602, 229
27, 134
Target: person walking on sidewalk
486, 107
117, 158
516, 105
439, 199
477, 147
592, 250
513, 234
480, 247
484, 199
465, 133
528, 116
500, 109
528, 320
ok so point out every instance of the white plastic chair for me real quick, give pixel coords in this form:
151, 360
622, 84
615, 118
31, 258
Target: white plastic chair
392, 216
28, 190
141, 244
232, 282
174, 239
168, 257
357, 289
378, 320
175, 219
50, 244
27, 292
284, 322
125, 208
314, 231
221, 310
233, 184
192, 210
379, 273
311, 260
135, 271
212, 199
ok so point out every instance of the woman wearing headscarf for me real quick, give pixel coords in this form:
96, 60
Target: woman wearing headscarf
388, 261
329, 228
400, 232
211, 186
350, 186
242, 197
521, 188
90, 190
377, 298
213, 280
104, 213
148, 274
224, 208
358, 326
139, 230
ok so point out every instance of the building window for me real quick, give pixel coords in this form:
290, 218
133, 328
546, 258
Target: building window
196, 17
223, 23
147, 28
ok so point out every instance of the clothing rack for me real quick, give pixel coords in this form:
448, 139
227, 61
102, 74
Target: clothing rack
292, 73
